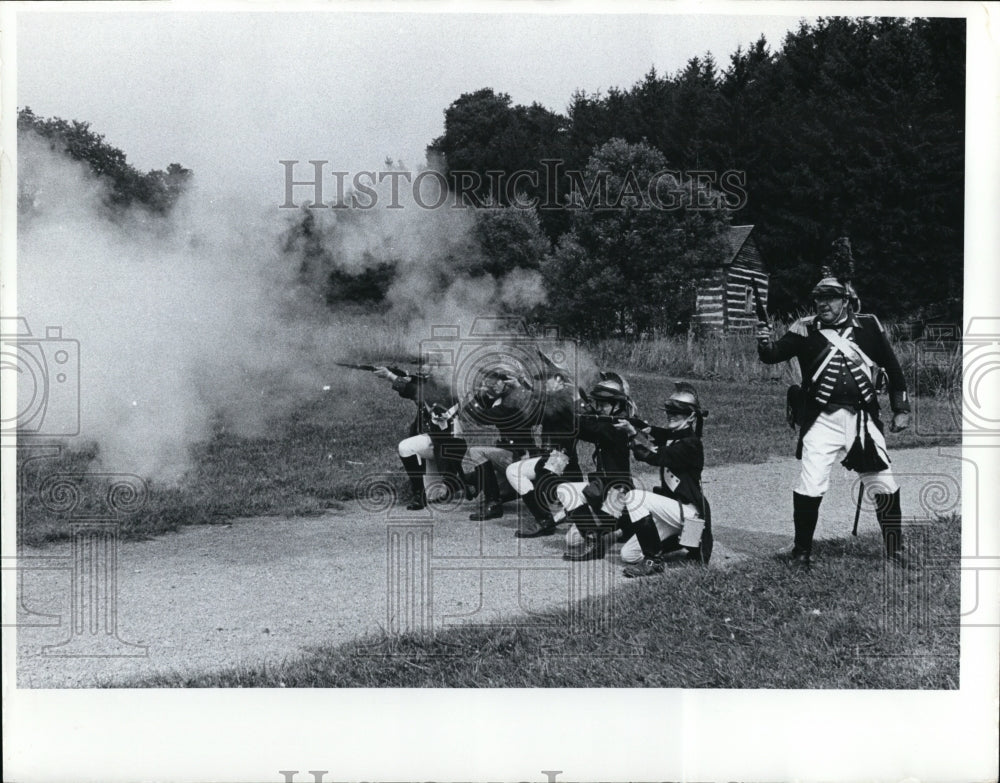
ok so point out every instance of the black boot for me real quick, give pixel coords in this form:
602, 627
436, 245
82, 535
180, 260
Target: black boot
486, 480
805, 514
702, 553
415, 472
890, 519
541, 523
648, 537
597, 529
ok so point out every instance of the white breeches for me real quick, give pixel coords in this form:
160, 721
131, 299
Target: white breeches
670, 517
827, 442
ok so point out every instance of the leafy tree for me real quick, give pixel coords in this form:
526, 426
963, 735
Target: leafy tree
156, 190
628, 265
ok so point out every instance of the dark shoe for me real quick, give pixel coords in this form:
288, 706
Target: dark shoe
535, 528
419, 502
797, 557
669, 545
649, 567
471, 483
696, 555
487, 511
590, 551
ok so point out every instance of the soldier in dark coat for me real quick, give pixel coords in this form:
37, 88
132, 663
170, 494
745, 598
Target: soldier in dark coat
435, 443
595, 508
503, 401
535, 478
676, 515
842, 355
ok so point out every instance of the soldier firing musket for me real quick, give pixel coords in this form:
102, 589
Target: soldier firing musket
435, 439
504, 399
675, 515
842, 354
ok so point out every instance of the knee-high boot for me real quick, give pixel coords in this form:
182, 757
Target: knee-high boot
890, 519
486, 480
805, 514
541, 523
415, 472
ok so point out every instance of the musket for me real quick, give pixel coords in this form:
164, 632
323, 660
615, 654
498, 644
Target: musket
372, 368
606, 418
758, 304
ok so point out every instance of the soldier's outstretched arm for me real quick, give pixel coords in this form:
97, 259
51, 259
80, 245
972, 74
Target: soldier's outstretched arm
771, 352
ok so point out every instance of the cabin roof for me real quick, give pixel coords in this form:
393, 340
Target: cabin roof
737, 237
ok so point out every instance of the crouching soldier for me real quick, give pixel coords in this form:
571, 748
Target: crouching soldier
595, 509
841, 354
435, 444
676, 515
502, 401
536, 478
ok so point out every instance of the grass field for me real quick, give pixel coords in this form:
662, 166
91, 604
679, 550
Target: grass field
314, 456
849, 623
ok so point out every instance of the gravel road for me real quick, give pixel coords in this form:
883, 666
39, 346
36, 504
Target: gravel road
265, 589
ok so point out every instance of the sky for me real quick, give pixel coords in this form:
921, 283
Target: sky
230, 94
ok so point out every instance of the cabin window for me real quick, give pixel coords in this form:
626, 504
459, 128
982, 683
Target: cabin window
748, 303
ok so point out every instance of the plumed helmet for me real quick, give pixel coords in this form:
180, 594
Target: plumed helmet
829, 286
608, 375
504, 370
853, 300
684, 399
609, 390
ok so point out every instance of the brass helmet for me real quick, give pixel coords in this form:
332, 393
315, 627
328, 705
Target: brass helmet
614, 389
684, 399
829, 286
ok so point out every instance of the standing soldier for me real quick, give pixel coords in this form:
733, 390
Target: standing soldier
502, 401
842, 355
435, 439
535, 478
676, 515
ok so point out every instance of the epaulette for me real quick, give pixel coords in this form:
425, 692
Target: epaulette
870, 317
801, 325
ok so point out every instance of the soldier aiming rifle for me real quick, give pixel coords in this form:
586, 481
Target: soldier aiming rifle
595, 508
676, 515
842, 354
435, 442
504, 400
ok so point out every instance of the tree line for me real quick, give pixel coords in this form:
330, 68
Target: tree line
853, 126
155, 190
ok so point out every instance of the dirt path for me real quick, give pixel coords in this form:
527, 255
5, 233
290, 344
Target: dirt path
262, 590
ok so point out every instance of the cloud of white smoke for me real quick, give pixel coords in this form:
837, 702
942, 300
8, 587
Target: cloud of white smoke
199, 318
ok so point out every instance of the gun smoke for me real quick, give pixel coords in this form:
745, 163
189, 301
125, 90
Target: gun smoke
201, 318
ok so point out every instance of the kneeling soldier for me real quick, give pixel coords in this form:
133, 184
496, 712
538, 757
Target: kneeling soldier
841, 354
676, 515
502, 401
435, 441
595, 508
